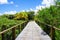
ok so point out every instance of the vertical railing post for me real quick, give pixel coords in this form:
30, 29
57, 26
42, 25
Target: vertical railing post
13, 33
52, 33
24, 25
19, 28
3, 35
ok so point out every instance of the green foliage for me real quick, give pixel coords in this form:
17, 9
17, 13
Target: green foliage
9, 23
57, 2
24, 15
51, 16
21, 15
10, 16
6, 23
31, 15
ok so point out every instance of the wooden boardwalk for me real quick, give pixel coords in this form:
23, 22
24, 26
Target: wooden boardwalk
32, 32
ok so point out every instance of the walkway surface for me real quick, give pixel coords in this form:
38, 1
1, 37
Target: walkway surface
32, 32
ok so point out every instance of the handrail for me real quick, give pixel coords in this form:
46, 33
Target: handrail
50, 25
10, 28
52, 30
56, 28
13, 28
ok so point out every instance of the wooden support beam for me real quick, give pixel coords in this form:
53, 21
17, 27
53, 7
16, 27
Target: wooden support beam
13, 33
3, 28
52, 33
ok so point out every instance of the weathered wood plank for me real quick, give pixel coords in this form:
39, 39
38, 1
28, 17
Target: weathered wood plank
33, 32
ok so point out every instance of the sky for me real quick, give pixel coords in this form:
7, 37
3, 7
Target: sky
13, 6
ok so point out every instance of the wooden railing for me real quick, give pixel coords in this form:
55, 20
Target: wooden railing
52, 29
13, 29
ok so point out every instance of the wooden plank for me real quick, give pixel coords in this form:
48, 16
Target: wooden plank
33, 32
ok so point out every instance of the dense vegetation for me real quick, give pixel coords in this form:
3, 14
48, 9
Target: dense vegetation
7, 21
10, 20
50, 16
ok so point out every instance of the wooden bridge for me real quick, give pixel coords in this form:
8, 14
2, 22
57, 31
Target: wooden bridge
30, 31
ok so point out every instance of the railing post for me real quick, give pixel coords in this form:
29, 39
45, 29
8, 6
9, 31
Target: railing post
13, 33
24, 25
19, 28
52, 33
3, 35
